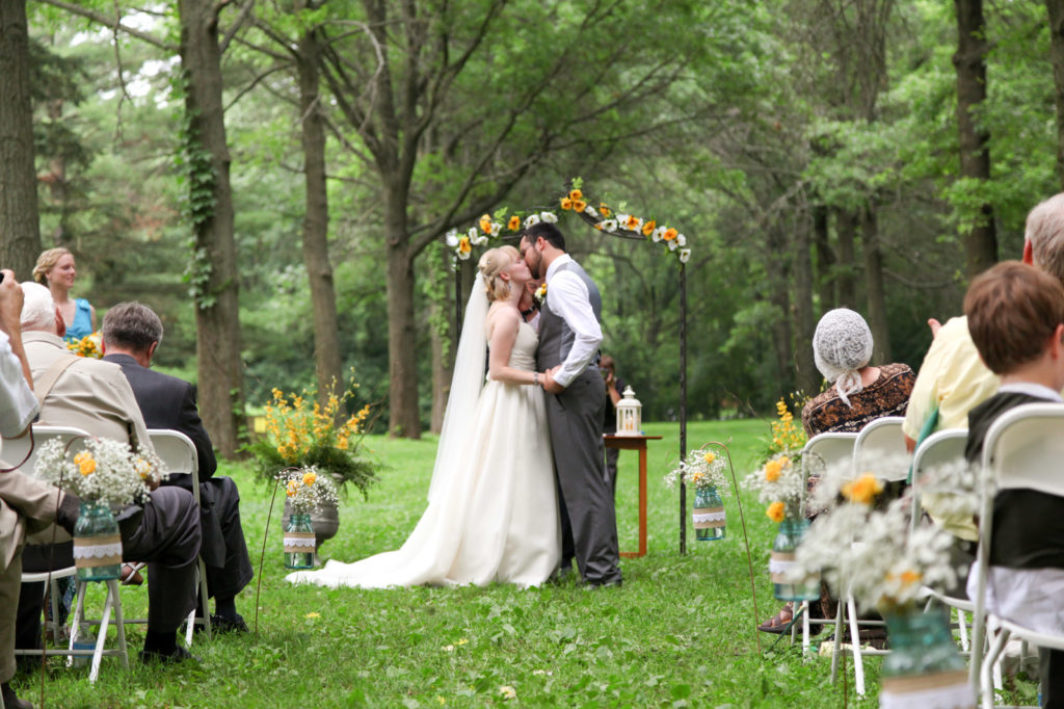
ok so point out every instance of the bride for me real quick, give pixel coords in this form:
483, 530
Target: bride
493, 508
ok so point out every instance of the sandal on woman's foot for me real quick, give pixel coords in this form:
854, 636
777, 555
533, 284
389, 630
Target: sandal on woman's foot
781, 622
131, 575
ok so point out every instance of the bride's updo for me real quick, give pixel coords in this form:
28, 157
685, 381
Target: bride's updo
491, 265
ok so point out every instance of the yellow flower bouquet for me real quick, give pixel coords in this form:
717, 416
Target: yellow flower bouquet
301, 433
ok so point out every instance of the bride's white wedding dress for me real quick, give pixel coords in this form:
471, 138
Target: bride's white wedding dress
493, 513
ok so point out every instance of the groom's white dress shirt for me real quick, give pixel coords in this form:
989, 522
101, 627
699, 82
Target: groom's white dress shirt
568, 297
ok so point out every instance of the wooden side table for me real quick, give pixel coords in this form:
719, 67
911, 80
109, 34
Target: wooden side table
636, 443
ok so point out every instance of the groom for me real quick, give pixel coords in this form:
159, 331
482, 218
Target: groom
569, 338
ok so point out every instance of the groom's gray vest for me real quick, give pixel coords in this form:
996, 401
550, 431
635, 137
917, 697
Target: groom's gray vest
555, 337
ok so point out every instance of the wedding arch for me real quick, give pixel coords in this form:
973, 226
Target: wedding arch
504, 225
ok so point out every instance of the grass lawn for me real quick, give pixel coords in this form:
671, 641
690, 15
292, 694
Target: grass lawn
679, 633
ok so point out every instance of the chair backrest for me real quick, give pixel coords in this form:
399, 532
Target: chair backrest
826, 449
939, 449
1025, 446
178, 453
1023, 449
15, 449
880, 450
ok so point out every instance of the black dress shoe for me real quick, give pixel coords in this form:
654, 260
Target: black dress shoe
225, 624
612, 583
11, 700
178, 654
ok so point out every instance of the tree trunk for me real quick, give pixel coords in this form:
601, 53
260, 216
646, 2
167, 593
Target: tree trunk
808, 378
1056, 55
779, 296
327, 364
442, 358
846, 267
221, 375
20, 231
877, 299
825, 260
403, 418
970, 62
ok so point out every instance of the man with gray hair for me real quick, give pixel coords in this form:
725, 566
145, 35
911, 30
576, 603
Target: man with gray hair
165, 532
131, 334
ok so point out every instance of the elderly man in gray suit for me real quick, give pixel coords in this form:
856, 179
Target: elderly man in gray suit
95, 396
569, 338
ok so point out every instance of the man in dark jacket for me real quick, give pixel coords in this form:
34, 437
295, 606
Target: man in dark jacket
131, 334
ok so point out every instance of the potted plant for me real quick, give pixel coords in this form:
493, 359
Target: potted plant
301, 433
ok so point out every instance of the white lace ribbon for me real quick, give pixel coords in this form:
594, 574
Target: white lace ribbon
709, 517
941, 690
781, 567
97, 551
299, 542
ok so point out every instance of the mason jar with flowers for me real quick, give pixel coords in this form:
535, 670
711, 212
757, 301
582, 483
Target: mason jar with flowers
303, 433
703, 470
306, 490
870, 551
781, 487
107, 475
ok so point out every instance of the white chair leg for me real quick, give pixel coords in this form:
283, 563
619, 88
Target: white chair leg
986, 688
805, 628
840, 617
101, 634
962, 626
855, 640
75, 626
120, 626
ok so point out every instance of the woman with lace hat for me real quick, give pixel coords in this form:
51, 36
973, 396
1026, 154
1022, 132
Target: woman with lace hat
859, 393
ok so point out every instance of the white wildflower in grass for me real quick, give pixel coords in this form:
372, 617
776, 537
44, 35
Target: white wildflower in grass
104, 470
871, 554
701, 469
779, 485
308, 490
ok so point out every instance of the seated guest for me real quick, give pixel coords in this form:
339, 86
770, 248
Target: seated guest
95, 396
859, 394
953, 379
131, 334
1016, 319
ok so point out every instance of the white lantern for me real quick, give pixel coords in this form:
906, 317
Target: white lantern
629, 415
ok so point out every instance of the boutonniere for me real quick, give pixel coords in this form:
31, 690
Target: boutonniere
541, 293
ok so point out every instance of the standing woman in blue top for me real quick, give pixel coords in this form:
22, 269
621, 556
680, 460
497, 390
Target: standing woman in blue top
56, 269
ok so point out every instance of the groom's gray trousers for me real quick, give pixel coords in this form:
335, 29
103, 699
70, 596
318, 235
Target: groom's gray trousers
575, 419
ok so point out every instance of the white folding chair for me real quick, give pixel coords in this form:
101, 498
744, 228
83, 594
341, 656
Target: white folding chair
16, 450
178, 453
942, 448
1023, 449
879, 450
821, 452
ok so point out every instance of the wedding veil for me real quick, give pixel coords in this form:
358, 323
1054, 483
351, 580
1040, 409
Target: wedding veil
466, 384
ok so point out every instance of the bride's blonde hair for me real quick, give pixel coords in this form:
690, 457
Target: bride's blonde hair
491, 265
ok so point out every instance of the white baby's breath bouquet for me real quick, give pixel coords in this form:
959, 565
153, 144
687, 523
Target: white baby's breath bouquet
104, 470
779, 485
870, 551
701, 469
307, 489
